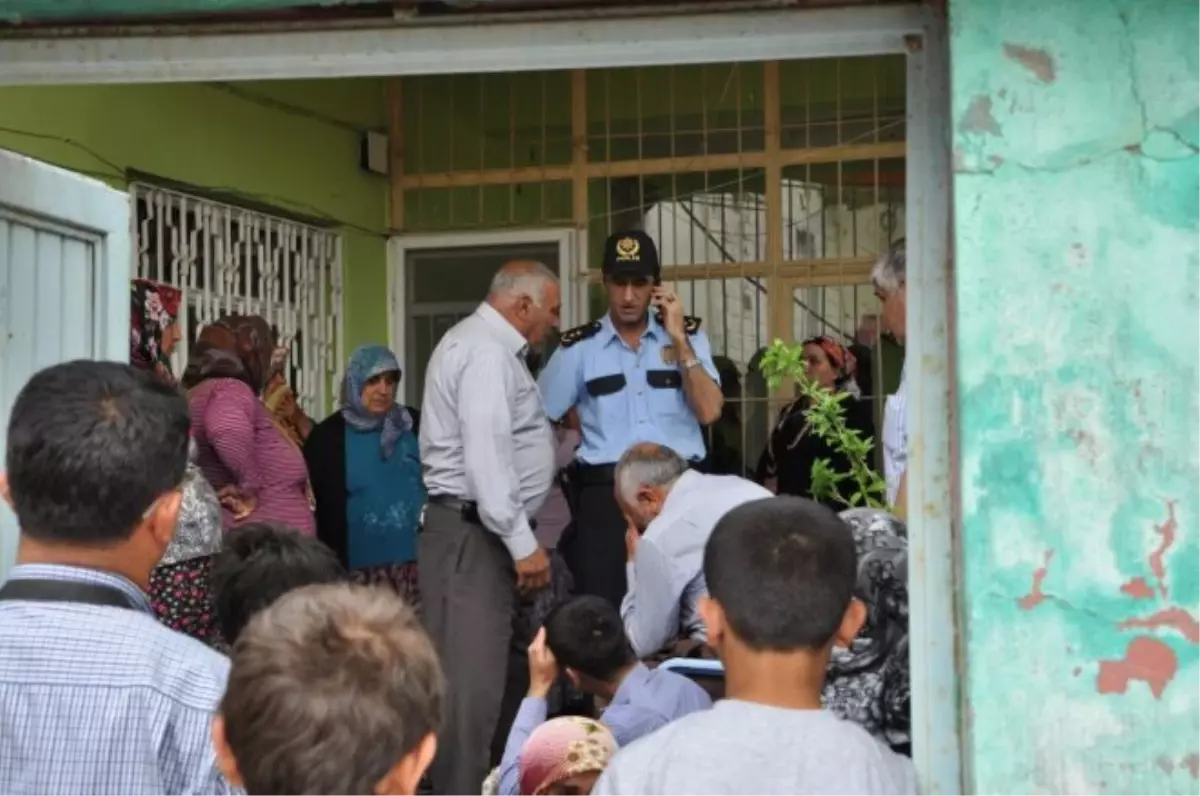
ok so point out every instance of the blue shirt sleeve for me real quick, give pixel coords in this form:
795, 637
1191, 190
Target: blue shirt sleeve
560, 381
703, 352
530, 716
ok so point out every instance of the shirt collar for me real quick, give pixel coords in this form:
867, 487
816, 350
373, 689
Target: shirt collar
629, 687
82, 575
683, 484
608, 331
509, 336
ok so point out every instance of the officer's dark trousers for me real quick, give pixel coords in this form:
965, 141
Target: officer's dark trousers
594, 546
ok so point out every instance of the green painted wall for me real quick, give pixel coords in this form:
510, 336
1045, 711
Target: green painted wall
1076, 131
209, 137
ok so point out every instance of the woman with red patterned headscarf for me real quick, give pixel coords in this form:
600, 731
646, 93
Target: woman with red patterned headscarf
179, 584
787, 463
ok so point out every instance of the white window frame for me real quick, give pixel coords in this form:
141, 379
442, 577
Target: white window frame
917, 31
398, 277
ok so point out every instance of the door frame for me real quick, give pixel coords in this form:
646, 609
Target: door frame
398, 276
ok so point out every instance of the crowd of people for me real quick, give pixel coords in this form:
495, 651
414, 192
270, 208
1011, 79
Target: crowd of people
215, 593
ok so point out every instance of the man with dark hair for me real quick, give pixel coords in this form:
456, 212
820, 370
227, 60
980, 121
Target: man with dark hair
781, 573
95, 695
585, 640
260, 563
334, 689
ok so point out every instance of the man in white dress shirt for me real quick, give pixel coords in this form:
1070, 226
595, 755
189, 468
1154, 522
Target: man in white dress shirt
671, 511
488, 456
888, 276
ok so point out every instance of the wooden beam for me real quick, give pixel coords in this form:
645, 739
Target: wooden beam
395, 100
635, 168
790, 274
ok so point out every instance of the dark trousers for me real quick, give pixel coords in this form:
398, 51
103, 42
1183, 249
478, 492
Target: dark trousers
594, 545
468, 601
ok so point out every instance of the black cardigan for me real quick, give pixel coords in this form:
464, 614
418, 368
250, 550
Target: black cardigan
325, 455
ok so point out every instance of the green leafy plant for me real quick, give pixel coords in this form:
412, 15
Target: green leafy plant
826, 417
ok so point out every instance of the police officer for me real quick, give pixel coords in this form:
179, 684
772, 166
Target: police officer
642, 373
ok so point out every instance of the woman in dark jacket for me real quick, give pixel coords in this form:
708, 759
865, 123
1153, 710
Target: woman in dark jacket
786, 465
365, 470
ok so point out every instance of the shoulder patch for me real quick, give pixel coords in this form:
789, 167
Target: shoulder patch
572, 336
691, 324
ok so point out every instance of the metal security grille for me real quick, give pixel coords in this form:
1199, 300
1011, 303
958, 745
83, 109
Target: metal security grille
231, 260
771, 188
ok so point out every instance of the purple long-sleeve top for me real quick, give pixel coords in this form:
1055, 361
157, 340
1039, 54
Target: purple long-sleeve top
239, 444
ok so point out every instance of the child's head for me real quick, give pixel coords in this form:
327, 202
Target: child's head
781, 574
333, 689
588, 640
258, 564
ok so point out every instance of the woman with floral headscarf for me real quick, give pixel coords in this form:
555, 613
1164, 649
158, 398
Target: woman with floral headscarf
786, 465
365, 469
179, 584
563, 757
254, 465
869, 682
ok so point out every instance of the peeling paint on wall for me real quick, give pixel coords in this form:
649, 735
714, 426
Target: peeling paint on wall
1077, 128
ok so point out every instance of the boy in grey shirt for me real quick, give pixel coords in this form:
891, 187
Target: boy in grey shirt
780, 574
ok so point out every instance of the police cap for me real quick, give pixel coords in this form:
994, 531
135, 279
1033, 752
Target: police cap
630, 254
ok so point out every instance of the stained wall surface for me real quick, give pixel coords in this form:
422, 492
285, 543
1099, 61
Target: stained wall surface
1076, 133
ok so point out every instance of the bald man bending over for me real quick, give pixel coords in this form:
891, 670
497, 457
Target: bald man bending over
488, 456
671, 511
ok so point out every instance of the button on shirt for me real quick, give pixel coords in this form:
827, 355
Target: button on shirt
645, 701
666, 576
103, 700
650, 406
484, 432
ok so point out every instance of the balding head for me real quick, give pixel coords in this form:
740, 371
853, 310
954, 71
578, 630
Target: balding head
643, 478
526, 293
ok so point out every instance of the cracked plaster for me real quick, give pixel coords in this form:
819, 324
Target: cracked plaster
1076, 132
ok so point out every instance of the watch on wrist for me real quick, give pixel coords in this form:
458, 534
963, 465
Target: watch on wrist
690, 363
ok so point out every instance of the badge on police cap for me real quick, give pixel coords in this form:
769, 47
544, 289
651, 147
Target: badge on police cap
628, 250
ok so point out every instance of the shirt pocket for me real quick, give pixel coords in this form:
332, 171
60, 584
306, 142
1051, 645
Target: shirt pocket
667, 399
610, 397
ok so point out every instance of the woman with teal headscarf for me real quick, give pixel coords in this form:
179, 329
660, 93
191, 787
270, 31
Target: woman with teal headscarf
365, 470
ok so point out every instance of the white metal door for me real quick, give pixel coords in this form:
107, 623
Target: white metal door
64, 281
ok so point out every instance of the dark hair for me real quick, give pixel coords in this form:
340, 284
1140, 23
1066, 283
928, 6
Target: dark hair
330, 687
258, 564
783, 570
91, 446
586, 634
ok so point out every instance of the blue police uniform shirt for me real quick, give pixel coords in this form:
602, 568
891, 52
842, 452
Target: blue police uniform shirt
624, 396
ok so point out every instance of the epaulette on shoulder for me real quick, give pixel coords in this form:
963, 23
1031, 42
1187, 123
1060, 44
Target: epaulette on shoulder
691, 324
572, 336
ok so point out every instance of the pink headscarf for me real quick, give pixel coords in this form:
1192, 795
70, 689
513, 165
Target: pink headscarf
561, 748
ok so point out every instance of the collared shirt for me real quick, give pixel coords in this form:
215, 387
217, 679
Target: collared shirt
103, 700
624, 396
666, 576
484, 432
646, 700
895, 438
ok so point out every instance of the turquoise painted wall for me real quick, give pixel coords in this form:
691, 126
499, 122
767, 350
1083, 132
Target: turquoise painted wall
306, 162
1076, 133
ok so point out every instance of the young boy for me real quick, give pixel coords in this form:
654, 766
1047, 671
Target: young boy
333, 689
258, 564
780, 574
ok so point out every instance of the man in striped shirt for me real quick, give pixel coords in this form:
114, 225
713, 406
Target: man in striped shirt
888, 277
96, 696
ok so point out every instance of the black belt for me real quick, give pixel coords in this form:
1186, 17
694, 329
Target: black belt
66, 591
469, 509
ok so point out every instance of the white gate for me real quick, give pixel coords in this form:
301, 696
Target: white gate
64, 281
